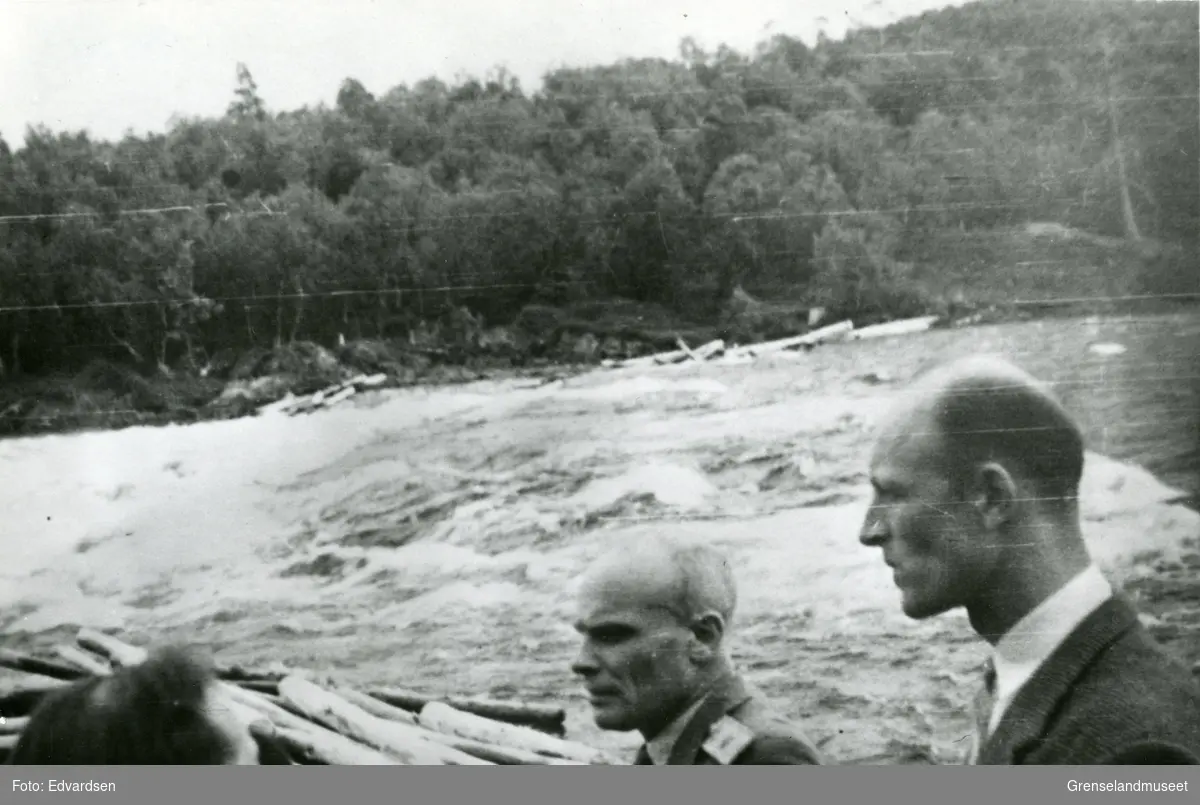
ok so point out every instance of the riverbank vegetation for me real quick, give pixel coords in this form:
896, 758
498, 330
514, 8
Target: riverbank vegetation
991, 157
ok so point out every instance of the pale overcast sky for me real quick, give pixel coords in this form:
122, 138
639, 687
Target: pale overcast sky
112, 65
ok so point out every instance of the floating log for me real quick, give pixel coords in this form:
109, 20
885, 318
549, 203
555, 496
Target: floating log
83, 660
543, 718
402, 740
901, 327
794, 342
441, 717
35, 665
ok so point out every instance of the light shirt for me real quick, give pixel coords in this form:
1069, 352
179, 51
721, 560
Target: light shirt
660, 748
1030, 643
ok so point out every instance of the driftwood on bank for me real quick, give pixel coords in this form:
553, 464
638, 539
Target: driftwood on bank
717, 349
891, 328
813, 338
325, 398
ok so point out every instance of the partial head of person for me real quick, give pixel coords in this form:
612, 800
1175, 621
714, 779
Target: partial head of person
169, 710
976, 478
653, 616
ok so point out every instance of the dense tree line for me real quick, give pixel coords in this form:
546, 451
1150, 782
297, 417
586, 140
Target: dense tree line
810, 173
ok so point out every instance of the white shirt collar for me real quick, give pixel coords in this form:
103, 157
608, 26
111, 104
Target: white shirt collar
1035, 637
660, 748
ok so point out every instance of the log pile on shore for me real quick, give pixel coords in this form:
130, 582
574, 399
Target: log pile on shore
713, 351
322, 723
717, 350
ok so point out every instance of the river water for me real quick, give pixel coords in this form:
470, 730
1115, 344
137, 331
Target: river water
429, 538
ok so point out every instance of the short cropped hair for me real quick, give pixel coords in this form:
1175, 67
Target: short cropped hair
148, 714
1010, 418
705, 580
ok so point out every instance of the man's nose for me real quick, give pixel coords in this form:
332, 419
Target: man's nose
584, 663
874, 528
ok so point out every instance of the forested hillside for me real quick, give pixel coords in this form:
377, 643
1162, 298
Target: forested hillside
887, 174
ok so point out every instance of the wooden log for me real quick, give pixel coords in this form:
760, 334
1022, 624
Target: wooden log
405, 742
680, 355
443, 718
685, 349
237, 673
22, 702
8, 742
891, 328
501, 755
710, 350
544, 718
250, 706
35, 665
83, 660
266, 687
794, 342
377, 707
344, 394
316, 748
112, 649
13, 726
366, 381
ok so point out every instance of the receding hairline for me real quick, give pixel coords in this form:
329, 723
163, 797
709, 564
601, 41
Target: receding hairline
695, 577
986, 408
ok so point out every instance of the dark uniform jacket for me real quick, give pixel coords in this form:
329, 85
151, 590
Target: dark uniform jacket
1107, 696
735, 726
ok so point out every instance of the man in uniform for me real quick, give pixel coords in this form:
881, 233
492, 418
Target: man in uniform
976, 479
654, 616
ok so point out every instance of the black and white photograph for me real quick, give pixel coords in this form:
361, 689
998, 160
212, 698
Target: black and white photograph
400, 382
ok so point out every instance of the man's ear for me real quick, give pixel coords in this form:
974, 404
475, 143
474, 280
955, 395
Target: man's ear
708, 631
995, 494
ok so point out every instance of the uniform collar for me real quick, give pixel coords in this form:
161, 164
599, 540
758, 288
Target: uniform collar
659, 750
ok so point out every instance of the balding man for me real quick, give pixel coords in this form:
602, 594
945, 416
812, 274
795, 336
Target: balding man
654, 616
976, 479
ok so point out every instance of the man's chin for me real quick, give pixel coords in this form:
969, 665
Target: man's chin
614, 722
921, 610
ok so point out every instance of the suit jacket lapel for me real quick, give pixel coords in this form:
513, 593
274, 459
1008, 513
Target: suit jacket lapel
725, 697
1024, 721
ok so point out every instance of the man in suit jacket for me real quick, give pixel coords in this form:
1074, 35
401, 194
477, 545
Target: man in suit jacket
976, 480
653, 616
